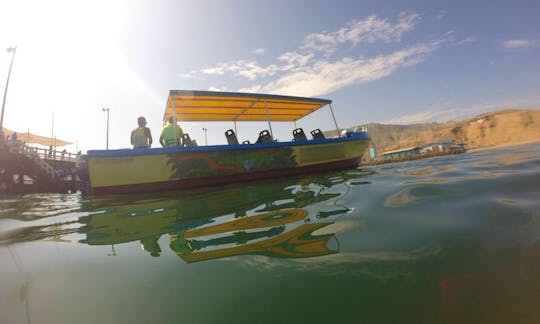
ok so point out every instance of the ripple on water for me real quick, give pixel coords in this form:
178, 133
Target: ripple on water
412, 195
36, 206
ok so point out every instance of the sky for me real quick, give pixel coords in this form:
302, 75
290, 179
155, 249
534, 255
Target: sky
398, 62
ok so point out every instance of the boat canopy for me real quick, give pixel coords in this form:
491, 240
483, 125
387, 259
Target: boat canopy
188, 105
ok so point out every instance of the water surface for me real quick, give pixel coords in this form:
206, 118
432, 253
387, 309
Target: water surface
452, 239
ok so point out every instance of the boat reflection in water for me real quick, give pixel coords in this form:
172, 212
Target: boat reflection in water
275, 219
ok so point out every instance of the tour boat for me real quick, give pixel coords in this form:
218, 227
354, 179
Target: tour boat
188, 166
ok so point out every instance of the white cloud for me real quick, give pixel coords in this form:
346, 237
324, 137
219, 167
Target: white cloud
416, 118
441, 15
305, 72
518, 43
213, 88
464, 112
251, 89
258, 51
294, 59
186, 75
217, 70
467, 40
369, 30
323, 77
246, 69
251, 70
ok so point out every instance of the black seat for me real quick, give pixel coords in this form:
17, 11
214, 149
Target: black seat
246, 142
317, 134
231, 137
264, 137
186, 140
299, 135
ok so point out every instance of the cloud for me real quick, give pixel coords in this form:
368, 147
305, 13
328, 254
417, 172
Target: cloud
186, 75
217, 70
421, 117
294, 59
467, 40
369, 30
258, 51
464, 112
441, 15
213, 88
311, 70
518, 43
247, 69
323, 77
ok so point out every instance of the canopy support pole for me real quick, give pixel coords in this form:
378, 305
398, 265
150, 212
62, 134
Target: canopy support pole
235, 131
268, 119
334, 117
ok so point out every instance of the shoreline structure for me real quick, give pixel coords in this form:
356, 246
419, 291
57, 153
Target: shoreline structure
504, 128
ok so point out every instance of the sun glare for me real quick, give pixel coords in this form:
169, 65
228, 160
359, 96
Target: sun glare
68, 57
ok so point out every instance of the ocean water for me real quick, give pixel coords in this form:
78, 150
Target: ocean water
452, 239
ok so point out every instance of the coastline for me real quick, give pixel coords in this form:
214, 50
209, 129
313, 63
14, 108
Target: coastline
504, 145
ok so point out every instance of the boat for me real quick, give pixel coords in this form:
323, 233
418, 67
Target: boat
125, 171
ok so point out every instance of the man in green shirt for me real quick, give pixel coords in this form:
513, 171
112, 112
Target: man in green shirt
171, 134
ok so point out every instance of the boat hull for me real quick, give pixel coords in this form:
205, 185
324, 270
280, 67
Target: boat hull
162, 169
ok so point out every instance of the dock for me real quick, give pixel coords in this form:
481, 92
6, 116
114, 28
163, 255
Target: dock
27, 169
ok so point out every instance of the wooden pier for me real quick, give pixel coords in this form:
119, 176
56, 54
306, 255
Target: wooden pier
26, 169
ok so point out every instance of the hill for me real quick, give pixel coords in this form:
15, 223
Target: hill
489, 130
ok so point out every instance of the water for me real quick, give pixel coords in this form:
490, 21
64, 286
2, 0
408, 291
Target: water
451, 239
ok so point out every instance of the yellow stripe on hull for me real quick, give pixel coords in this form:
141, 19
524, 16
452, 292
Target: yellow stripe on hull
133, 169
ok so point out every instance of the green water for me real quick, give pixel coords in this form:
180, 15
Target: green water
443, 240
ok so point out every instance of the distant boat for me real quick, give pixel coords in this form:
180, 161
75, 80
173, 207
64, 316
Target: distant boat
189, 166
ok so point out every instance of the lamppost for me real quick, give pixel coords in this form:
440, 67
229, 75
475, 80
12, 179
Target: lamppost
205, 137
107, 110
13, 50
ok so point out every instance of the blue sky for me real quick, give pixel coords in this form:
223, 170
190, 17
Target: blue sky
379, 61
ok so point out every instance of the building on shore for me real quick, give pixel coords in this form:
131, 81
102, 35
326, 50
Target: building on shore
400, 153
417, 152
442, 147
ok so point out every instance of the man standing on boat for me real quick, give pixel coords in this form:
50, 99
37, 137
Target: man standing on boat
141, 137
171, 135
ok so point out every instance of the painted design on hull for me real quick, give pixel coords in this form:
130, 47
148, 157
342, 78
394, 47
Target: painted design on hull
161, 170
219, 163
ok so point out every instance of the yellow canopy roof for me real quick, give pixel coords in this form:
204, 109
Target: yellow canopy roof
234, 106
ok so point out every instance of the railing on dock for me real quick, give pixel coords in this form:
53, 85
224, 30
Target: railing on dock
40, 156
49, 154
32, 169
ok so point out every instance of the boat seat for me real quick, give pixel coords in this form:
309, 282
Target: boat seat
187, 141
317, 134
231, 137
299, 135
246, 142
264, 137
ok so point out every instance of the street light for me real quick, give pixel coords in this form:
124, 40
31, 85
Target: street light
107, 110
205, 137
13, 50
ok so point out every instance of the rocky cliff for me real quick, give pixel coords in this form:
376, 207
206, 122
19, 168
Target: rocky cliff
500, 128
